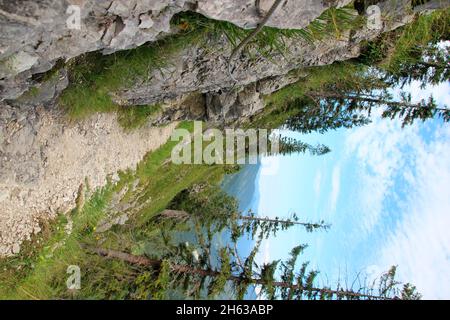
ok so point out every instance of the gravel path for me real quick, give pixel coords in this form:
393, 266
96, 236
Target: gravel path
44, 160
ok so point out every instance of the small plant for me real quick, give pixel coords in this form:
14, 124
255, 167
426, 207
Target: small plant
136, 116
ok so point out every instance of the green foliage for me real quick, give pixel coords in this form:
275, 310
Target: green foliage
409, 112
210, 204
368, 99
95, 77
274, 278
388, 286
144, 282
319, 117
213, 208
288, 271
44, 262
290, 145
159, 286
343, 94
267, 277
332, 23
39, 272
321, 102
219, 282
136, 116
289, 101
413, 51
428, 28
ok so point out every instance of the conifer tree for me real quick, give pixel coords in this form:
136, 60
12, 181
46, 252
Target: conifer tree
206, 269
350, 103
213, 206
198, 275
403, 108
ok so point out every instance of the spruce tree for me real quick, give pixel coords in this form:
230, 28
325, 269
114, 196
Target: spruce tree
206, 269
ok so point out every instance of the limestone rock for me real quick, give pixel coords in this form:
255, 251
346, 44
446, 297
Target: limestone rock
47, 34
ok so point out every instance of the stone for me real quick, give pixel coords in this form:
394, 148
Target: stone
146, 21
16, 248
20, 62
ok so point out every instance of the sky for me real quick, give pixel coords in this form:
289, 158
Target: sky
385, 191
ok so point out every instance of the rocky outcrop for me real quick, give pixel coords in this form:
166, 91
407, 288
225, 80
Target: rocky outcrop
204, 69
49, 30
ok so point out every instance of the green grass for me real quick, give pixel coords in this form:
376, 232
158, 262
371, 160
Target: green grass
332, 23
135, 117
31, 275
94, 77
31, 93
396, 48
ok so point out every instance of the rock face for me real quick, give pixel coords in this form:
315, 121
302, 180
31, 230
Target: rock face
292, 14
204, 69
49, 30
44, 159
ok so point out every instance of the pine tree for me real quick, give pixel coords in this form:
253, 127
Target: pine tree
314, 116
404, 109
214, 207
430, 65
206, 269
350, 103
292, 284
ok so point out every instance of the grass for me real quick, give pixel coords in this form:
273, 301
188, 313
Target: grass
95, 77
31, 275
31, 93
332, 23
135, 117
393, 49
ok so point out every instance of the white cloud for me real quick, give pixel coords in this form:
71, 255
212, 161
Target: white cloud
420, 245
317, 183
263, 256
440, 92
378, 148
335, 187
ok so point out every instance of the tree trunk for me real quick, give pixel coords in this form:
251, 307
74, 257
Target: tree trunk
156, 264
372, 100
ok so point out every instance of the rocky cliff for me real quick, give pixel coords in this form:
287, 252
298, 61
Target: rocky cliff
45, 159
36, 34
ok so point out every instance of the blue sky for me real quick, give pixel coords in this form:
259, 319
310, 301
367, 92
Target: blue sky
384, 189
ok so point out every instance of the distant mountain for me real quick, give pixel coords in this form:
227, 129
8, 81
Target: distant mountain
242, 186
